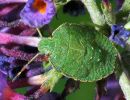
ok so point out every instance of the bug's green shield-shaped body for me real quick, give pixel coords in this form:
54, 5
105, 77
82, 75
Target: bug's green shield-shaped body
80, 52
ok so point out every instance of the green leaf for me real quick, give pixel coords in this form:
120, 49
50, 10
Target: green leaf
80, 52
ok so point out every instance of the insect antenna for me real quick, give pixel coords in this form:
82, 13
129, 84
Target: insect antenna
39, 32
25, 66
31, 60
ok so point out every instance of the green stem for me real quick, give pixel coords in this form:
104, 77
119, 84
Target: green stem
127, 26
125, 85
124, 12
123, 78
126, 6
108, 13
94, 12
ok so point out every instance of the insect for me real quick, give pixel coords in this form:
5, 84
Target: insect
80, 52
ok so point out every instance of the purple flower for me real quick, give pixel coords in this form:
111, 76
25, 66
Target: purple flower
6, 63
38, 13
119, 35
14, 54
6, 59
109, 89
6, 93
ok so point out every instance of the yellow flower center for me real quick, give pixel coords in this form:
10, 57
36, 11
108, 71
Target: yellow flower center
40, 5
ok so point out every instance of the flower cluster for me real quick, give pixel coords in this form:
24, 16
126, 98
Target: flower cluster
18, 44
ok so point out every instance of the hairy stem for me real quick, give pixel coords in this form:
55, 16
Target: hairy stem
126, 6
125, 85
94, 12
123, 13
123, 78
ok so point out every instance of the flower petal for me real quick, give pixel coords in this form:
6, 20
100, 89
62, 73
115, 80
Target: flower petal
38, 16
119, 35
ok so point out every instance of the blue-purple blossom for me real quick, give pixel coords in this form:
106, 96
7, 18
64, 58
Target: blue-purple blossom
109, 89
35, 69
6, 59
38, 13
6, 64
14, 55
119, 35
